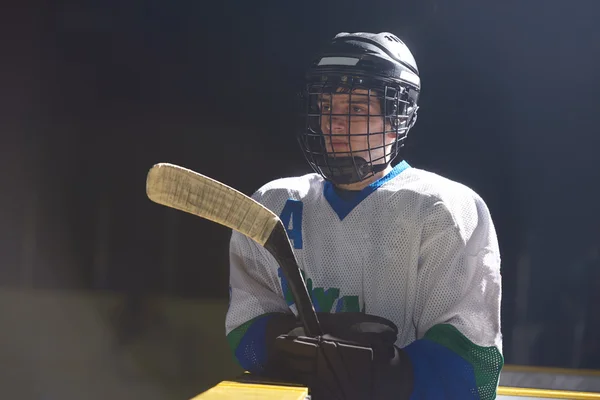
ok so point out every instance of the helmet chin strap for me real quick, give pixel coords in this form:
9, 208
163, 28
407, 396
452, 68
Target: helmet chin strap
348, 170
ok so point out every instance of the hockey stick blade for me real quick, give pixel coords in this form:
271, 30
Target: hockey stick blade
188, 191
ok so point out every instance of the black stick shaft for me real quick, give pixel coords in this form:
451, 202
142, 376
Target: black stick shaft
279, 246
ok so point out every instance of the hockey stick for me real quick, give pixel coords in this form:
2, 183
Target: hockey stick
185, 190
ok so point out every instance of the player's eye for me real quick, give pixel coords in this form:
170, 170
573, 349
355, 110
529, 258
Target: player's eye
325, 107
358, 110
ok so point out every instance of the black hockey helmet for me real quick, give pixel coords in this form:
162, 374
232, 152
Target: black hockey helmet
358, 65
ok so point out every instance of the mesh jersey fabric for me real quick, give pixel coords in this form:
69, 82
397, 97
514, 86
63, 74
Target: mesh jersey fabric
413, 247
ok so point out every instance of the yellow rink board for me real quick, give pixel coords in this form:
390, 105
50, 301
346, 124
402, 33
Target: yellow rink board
235, 390
516, 393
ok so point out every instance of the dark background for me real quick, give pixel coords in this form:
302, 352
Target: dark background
94, 92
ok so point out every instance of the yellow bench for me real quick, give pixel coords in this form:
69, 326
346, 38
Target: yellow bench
227, 390
248, 387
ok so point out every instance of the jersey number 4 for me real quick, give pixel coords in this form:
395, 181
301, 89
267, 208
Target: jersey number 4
291, 216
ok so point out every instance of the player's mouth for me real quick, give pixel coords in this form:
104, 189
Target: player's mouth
335, 143
338, 147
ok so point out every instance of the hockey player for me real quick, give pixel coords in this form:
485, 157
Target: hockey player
397, 259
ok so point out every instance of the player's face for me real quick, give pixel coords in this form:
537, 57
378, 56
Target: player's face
353, 124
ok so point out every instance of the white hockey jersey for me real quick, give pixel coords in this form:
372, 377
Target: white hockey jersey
413, 247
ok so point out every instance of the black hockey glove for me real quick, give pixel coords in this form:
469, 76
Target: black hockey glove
355, 359
371, 330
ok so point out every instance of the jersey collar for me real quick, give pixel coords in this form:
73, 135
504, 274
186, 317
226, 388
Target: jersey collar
344, 205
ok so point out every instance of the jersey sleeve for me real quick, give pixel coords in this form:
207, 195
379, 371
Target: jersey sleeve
458, 351
255, 297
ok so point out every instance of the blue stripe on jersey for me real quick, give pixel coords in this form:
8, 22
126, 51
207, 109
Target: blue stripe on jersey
343, 206
251, 352
440, 373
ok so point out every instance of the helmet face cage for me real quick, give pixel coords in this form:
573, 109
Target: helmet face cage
383, 108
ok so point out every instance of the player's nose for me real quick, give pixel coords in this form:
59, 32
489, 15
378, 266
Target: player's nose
335, 124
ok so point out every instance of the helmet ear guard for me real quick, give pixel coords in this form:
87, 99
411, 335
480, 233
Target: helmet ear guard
413, 117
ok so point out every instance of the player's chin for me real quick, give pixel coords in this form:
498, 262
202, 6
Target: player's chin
347, 151
338, 151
